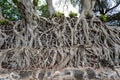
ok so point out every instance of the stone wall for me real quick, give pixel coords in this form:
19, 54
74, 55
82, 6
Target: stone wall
62, 74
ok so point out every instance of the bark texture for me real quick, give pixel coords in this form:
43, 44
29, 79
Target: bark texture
55, 43
51, 9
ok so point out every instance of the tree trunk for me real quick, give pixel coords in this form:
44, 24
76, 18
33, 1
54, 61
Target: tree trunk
87, 7
51, 9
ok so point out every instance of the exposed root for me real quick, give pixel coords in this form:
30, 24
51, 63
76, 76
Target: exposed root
57, 43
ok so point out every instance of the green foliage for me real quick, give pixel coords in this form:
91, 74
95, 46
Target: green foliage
3, 21
9, 11
44, 10
103, 17
57, 14
72, 14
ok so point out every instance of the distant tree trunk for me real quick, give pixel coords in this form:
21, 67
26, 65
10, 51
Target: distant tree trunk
51, 9
87, 7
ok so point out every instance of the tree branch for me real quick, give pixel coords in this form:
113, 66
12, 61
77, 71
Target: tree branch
112, 8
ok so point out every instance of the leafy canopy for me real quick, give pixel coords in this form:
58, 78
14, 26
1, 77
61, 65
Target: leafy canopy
9, 11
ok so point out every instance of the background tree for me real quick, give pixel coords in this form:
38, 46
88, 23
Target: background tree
50, 7
9, 11
105, 8
114, 19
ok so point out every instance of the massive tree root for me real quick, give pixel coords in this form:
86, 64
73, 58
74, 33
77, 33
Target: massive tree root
56, 43
38, 42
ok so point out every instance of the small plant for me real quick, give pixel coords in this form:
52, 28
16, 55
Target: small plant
72, 14
3, 21
57, 14
103, 17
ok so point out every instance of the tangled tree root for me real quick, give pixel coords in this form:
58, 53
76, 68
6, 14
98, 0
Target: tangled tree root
57, 43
